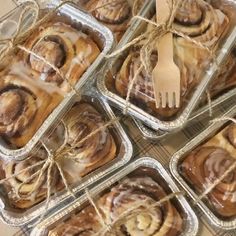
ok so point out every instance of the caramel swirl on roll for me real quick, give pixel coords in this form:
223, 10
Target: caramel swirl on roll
135, 192
183, 15
63, 47
230, 135
95, 151
114, 14
86, 223
200, 21
23, 107
204, 166
226, 78
31, 190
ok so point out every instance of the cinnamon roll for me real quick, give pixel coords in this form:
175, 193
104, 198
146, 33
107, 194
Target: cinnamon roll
86, 223
204, 24
209, 162
95, 151
23, 106
142, 92
31, 190
199, 21
132, 193
63, 47
116, 15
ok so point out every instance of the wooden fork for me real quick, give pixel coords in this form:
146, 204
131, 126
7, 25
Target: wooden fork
166, 74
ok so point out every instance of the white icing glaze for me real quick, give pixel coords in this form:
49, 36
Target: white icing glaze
23, 71
80, 59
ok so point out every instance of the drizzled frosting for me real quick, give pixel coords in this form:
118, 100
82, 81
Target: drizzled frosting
88, 155
31, 190
131, 193
207, 164
64, 48
199, 21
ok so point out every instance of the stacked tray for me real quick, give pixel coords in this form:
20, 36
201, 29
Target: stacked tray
101, 154
145, 181
104, 152
52, 101
222, 92
114, 81
59, 138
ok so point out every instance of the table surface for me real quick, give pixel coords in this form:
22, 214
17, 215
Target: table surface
160, 150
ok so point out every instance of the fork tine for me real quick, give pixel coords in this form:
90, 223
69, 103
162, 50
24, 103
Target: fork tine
170, 99
158, 99
177, 99
164, 97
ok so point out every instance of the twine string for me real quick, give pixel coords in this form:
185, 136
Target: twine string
100, 217
151, 36
9, 43
141, 207
38, 173
93, 133
21, 172
225, 174
215, 183
209, 102
56, 69
52, 160
127, 103
49, 191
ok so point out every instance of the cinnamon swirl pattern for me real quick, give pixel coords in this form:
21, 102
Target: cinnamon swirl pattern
25, 189
85, 156
199, 21
31, 88
62, 47
132, 193
209, 162
226, 79
114, 14
81, 158
23, 106
142, 91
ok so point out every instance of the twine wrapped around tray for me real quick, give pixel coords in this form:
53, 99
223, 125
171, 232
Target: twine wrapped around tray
8, 45
231, 168
52, 160
112, 228
147, 44
63, 152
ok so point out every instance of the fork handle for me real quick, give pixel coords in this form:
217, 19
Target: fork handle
165, 48
165, 43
